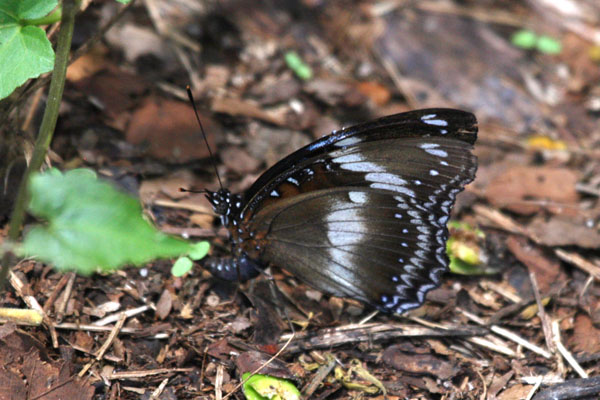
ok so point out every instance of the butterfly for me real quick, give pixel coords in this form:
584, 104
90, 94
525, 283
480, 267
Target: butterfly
360, 213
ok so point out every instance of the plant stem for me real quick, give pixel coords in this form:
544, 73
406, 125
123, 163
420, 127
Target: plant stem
42, 143
49, 19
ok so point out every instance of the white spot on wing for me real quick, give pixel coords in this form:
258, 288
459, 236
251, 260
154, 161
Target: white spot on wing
433, 149
355, 162
357, 197
437, 152
429, 120
339, 235
349, 141
393, 188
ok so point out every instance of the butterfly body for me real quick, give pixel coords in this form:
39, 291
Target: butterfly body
360, 213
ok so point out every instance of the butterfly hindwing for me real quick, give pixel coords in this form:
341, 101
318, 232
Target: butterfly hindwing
362, 213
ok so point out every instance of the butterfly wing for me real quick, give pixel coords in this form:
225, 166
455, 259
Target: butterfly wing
362, 213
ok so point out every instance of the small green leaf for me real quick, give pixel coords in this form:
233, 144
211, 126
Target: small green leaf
524, 39
182, 266
91, 225
199, 250
124, 1
265, 387
548, 45
25, 51
300, 68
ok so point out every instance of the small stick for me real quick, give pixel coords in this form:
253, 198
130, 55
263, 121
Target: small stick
159, 389
117, 316
535, 388
546, 325
565, 353
54, 295
126, 375
62, 306
219, 382
257, 370
93, 328
509, 335
111, 337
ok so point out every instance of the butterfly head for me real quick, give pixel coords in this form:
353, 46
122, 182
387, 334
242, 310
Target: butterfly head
224, 202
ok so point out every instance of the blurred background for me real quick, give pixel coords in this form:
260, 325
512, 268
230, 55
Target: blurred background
272, 76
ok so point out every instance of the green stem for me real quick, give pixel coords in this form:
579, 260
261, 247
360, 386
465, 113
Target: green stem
42, 143
49, 19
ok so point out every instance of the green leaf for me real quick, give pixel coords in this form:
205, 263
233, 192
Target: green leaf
199, 250
265, 387
300, 68
25, 9
524, 39
182, 266
25, 51
124, 1
548, 45
91, 225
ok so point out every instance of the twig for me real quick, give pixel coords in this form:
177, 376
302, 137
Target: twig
490, 345
19, 287
126, 375
33, 303
535, 388
319, 377
484, 384
578, 261
54, 295
565, 353
156, 393
397, 78
62, 306
546, 324
509, 335
257, 370
167, 31
115, 317
107, 343
93, 328
219, 382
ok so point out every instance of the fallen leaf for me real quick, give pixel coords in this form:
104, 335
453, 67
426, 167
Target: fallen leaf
375, 91
238, 160
245, 108
419, 363
164, 305
547, 270
560, 231
170, 186
169, 131
515, 392
88, 64
586, 337
518, 188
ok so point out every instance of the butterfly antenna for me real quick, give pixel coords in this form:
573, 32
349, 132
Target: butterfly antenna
212, 157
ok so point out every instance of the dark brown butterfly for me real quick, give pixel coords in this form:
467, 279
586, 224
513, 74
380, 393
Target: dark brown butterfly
360, 213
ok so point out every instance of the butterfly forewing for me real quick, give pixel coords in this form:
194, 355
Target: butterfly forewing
362, 213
